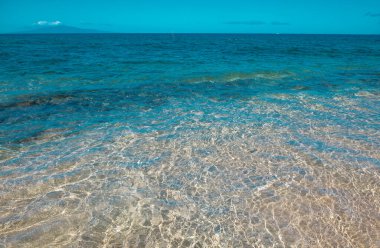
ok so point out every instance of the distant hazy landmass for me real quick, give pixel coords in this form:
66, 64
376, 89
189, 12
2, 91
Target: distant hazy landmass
60, 29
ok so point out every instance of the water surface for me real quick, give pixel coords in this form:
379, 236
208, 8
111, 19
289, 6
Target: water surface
113, 140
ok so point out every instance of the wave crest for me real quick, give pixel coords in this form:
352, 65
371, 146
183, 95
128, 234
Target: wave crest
236, 76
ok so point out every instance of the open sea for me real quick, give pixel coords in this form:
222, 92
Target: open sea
189, 140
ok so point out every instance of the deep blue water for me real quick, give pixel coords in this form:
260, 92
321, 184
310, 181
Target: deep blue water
132, 101
78, 81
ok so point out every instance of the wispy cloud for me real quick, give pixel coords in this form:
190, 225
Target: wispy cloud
245, 23
280, 23
95, 24
48, 23
275, 23
371, 14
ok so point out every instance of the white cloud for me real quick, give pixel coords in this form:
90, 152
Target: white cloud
55, 23
42, 23
47, 23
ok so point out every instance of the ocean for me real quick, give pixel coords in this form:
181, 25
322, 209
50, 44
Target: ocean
189, 140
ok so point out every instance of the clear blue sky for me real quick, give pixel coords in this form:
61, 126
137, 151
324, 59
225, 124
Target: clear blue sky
244, 16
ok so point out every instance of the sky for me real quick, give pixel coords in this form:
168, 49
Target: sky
195, 16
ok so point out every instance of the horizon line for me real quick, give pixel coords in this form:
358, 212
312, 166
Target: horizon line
172, 33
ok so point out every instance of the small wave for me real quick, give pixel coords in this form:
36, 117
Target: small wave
149, 62
236, 76
366, 94
51, 61
5, 55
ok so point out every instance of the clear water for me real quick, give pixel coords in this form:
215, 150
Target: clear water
117, 140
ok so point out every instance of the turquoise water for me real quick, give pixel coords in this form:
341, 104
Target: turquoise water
189, 140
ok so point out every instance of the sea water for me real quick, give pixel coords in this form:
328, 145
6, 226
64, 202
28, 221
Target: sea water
189, 140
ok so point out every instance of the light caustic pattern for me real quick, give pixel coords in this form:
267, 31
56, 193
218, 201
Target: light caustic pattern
271, 170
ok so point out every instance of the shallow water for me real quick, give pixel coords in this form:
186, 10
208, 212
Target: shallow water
189, 141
